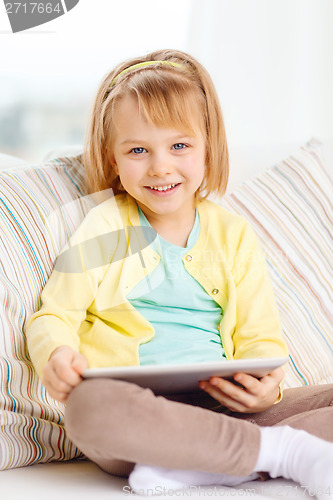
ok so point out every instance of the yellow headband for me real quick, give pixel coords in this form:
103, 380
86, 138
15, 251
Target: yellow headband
141, 65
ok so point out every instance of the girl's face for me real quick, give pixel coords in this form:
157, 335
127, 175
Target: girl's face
161, 168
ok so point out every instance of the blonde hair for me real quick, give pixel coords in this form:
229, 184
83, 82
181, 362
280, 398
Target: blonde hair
166, 95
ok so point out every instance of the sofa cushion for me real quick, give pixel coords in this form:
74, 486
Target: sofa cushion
38, 212
290, 207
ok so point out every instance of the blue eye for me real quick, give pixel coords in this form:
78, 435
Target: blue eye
179, 145
138, 151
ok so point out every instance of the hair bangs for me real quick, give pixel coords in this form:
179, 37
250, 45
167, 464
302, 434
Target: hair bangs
166, 100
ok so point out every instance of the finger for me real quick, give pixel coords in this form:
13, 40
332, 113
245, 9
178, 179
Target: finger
276, 375
228, 394
251, 384
57, 389
223, 399
229, 388
52, 382
67, 374
58, 376
55, 393
80, 363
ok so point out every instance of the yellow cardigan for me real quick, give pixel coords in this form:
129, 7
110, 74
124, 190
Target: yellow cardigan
84, 302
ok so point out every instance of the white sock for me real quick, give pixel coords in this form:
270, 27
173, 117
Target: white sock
284, 452
149, 480
297, 455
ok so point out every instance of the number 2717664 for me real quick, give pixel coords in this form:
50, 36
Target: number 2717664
32, 8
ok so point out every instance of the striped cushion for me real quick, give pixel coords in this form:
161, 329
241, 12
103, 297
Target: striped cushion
37, 214
290, 206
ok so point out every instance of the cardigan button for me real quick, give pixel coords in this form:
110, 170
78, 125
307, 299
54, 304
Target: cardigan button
215, 291
188, 258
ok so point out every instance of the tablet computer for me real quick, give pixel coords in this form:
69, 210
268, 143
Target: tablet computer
168, 379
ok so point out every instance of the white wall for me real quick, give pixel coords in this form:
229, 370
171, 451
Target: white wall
272, 61
79, 48
49, 74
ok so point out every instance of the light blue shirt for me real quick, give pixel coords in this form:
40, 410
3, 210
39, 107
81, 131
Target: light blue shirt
184, 316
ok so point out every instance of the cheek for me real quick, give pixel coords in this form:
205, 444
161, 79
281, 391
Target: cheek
128, 175
200, 173
198, 169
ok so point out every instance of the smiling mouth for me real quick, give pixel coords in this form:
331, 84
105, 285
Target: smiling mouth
163, 188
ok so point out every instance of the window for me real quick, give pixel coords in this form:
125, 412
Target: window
49, 74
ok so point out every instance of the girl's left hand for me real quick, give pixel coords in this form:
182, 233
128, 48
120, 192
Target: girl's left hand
252, 396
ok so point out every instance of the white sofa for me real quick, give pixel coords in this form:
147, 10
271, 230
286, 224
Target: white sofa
35, 457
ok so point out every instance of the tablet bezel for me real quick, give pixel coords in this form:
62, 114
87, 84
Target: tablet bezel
179, 378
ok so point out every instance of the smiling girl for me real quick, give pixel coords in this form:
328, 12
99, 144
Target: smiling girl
161, 168
198, 291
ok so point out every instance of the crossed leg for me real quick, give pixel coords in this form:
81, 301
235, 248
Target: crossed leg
117, 424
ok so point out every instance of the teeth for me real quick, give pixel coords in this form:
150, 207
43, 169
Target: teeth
163, 188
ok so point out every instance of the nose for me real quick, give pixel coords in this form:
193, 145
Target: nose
160, 165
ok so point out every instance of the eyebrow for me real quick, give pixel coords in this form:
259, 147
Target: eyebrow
140, 141
130, 141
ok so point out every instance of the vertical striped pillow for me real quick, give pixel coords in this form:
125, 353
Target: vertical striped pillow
290, 206
37, 215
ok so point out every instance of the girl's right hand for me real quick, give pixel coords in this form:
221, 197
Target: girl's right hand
63, 372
